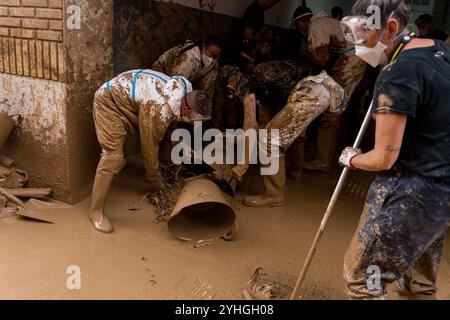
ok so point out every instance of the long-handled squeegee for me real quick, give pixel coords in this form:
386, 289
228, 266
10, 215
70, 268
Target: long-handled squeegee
330, 209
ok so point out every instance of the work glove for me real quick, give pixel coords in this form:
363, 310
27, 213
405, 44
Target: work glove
345, 160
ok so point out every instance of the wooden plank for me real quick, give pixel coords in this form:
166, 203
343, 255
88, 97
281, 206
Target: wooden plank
12, 56
61, 62
33, 64
46, 59
6, 62
2, 68
19, 61
54, 60
30, 192
26, 58
39, 60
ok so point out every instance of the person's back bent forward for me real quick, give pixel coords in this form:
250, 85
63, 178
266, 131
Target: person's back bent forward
141, 100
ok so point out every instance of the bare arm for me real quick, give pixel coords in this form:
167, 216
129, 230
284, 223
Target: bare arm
390, 129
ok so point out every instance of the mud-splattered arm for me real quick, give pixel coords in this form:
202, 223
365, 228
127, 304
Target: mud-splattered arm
187, 65
150, 140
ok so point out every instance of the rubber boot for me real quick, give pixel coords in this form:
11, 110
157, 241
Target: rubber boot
102, 185
296, 156
274, 190
326, 148
108, 167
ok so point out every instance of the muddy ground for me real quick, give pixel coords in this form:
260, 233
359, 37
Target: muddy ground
140, 260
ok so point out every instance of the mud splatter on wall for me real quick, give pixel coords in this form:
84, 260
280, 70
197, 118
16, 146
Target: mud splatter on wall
38, 141
145, 29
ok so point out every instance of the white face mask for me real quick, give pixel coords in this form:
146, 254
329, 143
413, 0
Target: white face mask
377, 55
374, 56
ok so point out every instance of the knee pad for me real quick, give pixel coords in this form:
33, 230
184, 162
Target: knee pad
111, 164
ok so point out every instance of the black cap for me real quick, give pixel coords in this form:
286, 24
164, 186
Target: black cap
302, 12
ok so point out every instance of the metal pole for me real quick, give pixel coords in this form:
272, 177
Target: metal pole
330, 209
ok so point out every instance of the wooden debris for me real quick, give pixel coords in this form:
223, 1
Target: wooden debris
31, 192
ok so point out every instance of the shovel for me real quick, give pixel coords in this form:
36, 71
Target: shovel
26, 211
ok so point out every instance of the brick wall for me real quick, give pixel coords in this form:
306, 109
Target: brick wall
31, 35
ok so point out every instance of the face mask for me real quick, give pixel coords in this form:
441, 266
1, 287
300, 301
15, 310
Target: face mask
377, 55
374, 56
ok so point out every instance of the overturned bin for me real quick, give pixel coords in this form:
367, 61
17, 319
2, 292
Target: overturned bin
202, 213
6, 127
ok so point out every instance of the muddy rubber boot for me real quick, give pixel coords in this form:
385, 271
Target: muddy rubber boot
326, 148
274, 190
100, 191
296, 159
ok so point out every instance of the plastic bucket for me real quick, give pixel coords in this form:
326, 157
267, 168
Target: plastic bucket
202, 213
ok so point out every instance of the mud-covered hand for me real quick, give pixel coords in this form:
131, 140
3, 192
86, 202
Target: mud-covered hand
347, 156
158, 183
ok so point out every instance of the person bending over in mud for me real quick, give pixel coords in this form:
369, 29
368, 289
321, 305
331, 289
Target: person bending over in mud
147, 101
264, 91
194, 60
328, 47
310, 97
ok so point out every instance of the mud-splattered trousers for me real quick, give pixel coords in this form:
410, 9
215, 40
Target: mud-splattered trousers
142, 100
401, 235
188, 64
328, 46
310, 98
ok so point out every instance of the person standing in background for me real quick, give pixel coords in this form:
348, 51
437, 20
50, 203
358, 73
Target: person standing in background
428, 30
329, 49
253, 30
337, 13
194, 60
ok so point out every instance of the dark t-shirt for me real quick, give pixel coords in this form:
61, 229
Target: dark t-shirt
439, 35
417, 85
272, 82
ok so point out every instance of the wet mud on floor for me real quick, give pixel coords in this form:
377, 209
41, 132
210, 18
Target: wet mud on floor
140, 260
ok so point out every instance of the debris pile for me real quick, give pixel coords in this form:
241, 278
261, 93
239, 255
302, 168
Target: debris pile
13, 181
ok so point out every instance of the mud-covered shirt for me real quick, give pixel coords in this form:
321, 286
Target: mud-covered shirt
417, 85
329, 48
272, 82
186, 60
146, 101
